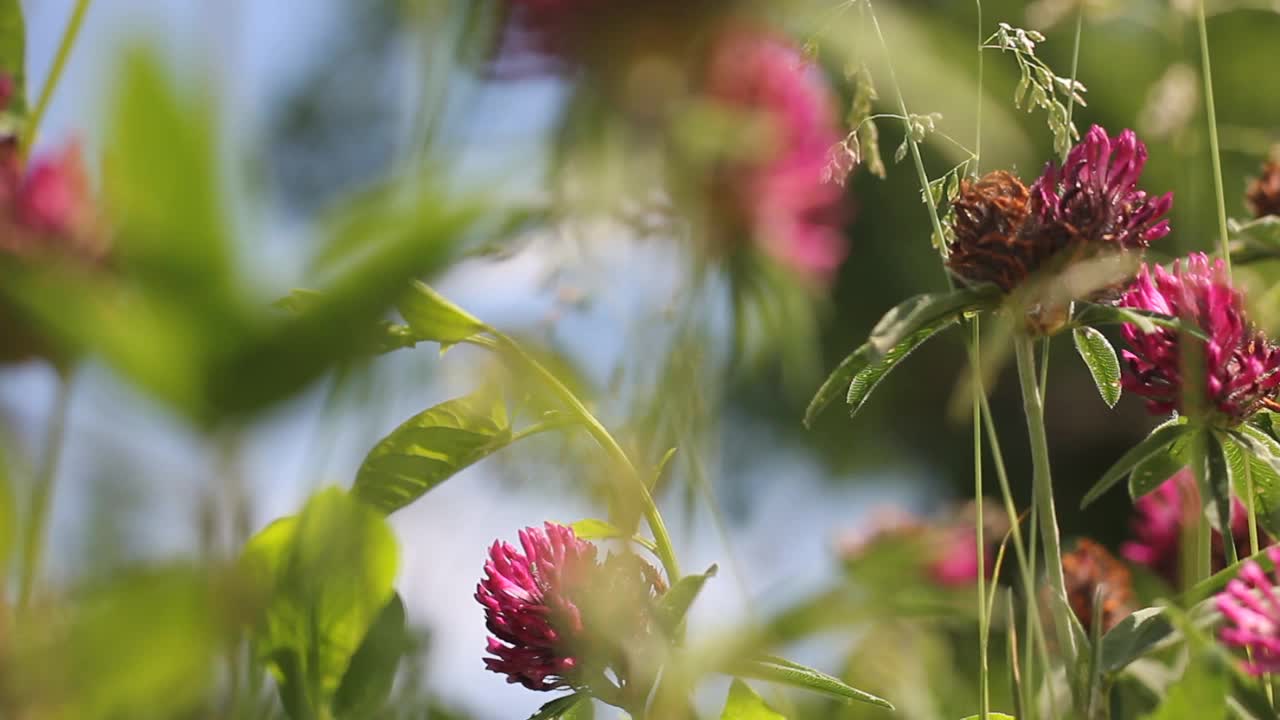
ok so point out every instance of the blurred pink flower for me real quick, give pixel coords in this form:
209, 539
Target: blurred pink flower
957, 562
1242, 368
1158, 526
1252, 611
779, 192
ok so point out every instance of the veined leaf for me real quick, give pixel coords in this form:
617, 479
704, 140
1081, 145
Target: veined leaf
785, 672
325, 576
432, 317
1158, 468
863, 383
1100, 358
1159, 439
1216, 582
432, 447
744, 704
559, 707
1217, 475
1133, 637
905, 325
1093, 315
1263, 454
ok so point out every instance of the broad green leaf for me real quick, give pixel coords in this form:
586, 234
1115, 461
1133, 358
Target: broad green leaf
13, 49
324, 577
367, 682
1159, 440
1100, 358
744, 704
562, 706
675, 603
785, 672
432, 447
1158, 468
1216, 582
1093, 315
1263, 472
1133, 637
595, 529
868, 378
910, 319
1199, 695
379, 337
432, 317
1217, 501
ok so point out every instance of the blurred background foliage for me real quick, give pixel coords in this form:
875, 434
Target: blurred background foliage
395, 148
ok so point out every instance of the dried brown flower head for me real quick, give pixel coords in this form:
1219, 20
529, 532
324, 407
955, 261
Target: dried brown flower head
1086, 568
1263, 195
989, 214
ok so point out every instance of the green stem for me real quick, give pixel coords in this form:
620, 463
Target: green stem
984, 698
1075, 69
1204, 533
977, 143
42, 494
68, 42
1207, 73
1045, 345
666, 551
1042, 489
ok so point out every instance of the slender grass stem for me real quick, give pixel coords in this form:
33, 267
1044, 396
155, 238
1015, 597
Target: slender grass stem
1206, 72
65, 46
1075, 71
984, 619
1042, 489
597, 430
977, 142
42, 494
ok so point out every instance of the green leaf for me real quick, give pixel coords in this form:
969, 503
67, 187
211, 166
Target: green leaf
562, 706
992, 716
1199, 695
432, 317
13, 49
1216, 582
595, 529
1101, 360
1159, 440
369, 678
904, 325
676, 602
1158, 468
1264, 471
1217, 499
432, 447
744, 704
1092, 315
379, 337
324, 577
865, 382
785, 672
1133, 637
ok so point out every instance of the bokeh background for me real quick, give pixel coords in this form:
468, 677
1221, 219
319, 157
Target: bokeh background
321, 99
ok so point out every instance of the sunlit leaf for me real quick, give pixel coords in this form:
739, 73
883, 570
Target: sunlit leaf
785, 672
675, 603
907, 321
1158, 468
1133, 637
596, 529
431, 316
865, 382
325, 576
1093, 315
1199, 695
1217, 475
562, 706
744, 704
368, 680
432, 447
1263, 452
1159, 440
1100, 358
380, 336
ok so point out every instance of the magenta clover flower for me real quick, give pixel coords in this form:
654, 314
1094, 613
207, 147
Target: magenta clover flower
1241, 365
1252, 611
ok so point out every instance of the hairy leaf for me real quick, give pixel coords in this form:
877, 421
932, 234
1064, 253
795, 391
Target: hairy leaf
1100, 358
432, 447
1263, 472
1158, 441
785, 672
744, 704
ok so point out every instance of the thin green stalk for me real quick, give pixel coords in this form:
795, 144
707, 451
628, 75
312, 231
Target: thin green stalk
1204, 536
661, 538
1042, 489
977, 143
984, 698
1075, 69
1207, 73
1045, 345
42, 494
68, 42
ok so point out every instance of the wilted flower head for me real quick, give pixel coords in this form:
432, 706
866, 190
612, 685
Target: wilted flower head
1240, 365
1263, 195
557, 615
1162, 516
1005, 232
777, 191
1089, 567
1252, 611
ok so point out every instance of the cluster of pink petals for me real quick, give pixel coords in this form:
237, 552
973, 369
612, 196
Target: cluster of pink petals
1162, 516
956, 564
780, 192
949, 547
1252, 610
1242, 369
529, 608
1095, 193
